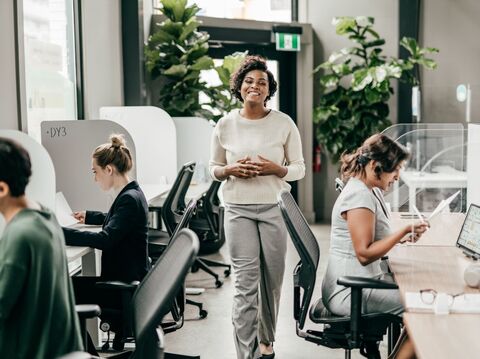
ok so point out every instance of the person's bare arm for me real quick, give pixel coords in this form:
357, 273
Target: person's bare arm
361, 225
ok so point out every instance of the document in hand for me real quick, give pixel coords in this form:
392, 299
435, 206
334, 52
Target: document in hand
63, 211
442, 205
465, 303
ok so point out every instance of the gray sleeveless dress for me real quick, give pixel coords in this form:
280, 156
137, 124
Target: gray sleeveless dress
343, 261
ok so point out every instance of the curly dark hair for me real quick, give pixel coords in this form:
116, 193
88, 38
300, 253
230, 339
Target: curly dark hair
251, 63
15, 165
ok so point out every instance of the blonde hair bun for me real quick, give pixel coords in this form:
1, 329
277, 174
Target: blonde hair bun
117, 140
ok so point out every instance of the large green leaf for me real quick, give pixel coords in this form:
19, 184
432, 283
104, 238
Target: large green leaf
428, 63
190, 26
203, 63
344, 24
176, 71
232, 62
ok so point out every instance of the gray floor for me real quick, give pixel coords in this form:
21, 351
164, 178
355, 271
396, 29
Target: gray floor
212, 337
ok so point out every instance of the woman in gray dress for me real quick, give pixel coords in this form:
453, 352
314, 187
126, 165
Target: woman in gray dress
361, 233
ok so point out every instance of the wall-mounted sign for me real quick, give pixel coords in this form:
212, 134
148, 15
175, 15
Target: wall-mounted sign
287, 42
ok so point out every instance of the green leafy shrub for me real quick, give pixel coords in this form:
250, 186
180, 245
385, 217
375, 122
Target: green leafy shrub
356, 85
177, 53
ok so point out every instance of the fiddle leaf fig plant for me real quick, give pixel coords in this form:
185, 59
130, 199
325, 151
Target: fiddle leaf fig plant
176, 53
356, 85
221, 100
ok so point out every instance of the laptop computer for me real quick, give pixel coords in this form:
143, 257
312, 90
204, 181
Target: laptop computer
469, 237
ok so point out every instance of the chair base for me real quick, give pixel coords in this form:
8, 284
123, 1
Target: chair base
202, 313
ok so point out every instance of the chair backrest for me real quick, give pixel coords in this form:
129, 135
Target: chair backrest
211, 208
307, 247
186, 217
174, 205
155, 295
178, 305
339, 185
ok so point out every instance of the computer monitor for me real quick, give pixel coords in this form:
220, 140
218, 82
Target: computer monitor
469, 237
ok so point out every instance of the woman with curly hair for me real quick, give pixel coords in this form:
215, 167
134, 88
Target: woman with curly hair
256, 150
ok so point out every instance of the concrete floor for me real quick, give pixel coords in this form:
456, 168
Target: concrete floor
212, 337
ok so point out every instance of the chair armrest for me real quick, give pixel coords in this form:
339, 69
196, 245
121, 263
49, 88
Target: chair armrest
362, 282
86, 311
117, 285
356, 285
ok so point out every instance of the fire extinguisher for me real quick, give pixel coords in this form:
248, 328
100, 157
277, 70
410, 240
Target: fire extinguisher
317, 159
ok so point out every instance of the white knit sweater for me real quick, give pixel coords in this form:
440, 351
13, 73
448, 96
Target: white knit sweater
274, 137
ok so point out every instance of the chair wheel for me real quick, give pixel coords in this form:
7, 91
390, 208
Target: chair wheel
194, 269
218, 283
106, 346
227, 272
203, 314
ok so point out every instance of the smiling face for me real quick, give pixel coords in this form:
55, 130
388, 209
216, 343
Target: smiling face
255, 87
103, 176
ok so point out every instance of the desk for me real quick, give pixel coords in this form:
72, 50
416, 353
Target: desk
441, 268
415, 179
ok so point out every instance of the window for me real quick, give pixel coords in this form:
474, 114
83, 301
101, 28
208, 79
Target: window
47, 39
262, 10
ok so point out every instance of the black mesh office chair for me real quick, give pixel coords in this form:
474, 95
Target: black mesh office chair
356, 331
171, 211
177, 308
208, 224
154, 297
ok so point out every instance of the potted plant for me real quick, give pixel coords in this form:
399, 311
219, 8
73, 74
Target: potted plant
221, 100
176, 53
356, 85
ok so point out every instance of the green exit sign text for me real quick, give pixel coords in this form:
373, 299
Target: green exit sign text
287, 42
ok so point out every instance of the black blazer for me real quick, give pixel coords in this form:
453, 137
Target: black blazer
123, 239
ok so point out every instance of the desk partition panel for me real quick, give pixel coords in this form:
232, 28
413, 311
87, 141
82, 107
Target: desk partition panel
41, 187
193, 144
154, 134
435, 170
70, 145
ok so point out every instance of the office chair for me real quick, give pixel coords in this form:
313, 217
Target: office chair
84, 311
356, 331
171, 211
208, 224
339, 185
176, 310
154, 297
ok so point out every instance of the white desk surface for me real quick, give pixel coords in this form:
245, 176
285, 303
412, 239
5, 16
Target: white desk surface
74, 253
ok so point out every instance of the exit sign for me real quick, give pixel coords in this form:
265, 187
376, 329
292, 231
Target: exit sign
287, 42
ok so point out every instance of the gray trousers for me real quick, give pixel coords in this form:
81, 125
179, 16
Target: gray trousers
257, 240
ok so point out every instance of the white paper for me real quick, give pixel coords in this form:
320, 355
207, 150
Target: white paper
442, 205
466, 303
63, 211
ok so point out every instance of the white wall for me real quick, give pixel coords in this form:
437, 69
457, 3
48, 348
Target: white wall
320, 13
8, 89
102, 55
453, 27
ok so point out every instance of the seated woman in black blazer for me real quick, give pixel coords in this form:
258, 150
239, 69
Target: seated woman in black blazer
123, 238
